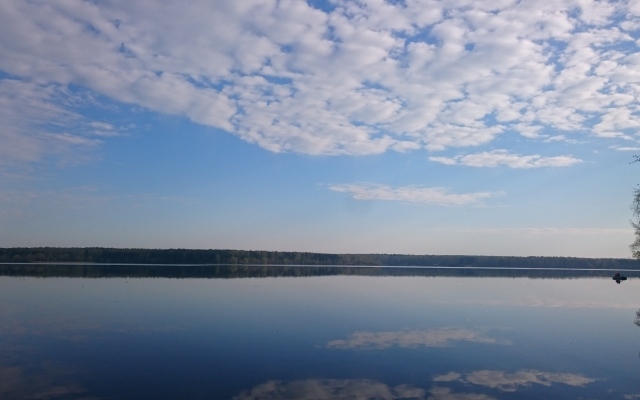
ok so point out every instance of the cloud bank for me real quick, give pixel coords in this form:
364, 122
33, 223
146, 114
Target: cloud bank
411, 194
336, 77
496, 158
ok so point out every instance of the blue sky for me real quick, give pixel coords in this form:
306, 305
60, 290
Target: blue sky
423, 127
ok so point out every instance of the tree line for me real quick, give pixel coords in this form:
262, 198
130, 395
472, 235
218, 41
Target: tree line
635, 222
255, 257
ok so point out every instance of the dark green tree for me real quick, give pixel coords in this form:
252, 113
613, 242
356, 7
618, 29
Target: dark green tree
635, 207
635, 246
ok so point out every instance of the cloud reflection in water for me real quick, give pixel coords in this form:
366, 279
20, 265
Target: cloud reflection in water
511, 382
365, 389
44, 381
441, 337
353, 389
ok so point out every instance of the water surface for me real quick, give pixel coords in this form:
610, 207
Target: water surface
363, 335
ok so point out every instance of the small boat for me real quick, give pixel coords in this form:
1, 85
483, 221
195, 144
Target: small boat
618, 278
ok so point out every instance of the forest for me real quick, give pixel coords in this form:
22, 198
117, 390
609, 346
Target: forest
101, 255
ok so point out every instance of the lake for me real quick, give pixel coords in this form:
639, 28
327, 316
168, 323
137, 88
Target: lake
227, 332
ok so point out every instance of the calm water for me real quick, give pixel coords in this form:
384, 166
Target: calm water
319, 337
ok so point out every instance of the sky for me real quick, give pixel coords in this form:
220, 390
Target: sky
342, 126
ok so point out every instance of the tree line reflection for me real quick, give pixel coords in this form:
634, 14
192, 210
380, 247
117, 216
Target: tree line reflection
264, 271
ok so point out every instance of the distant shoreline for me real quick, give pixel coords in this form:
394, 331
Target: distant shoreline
225, 257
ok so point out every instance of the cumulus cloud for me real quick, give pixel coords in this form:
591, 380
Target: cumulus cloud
429, 338
352, 78
496, 158
410, 194
512, 382
320, 389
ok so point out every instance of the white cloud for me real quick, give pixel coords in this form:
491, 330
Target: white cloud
496, 158
615, 121
38, 121
512, 382
411, 194
442, 337
362, 78
625, 148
